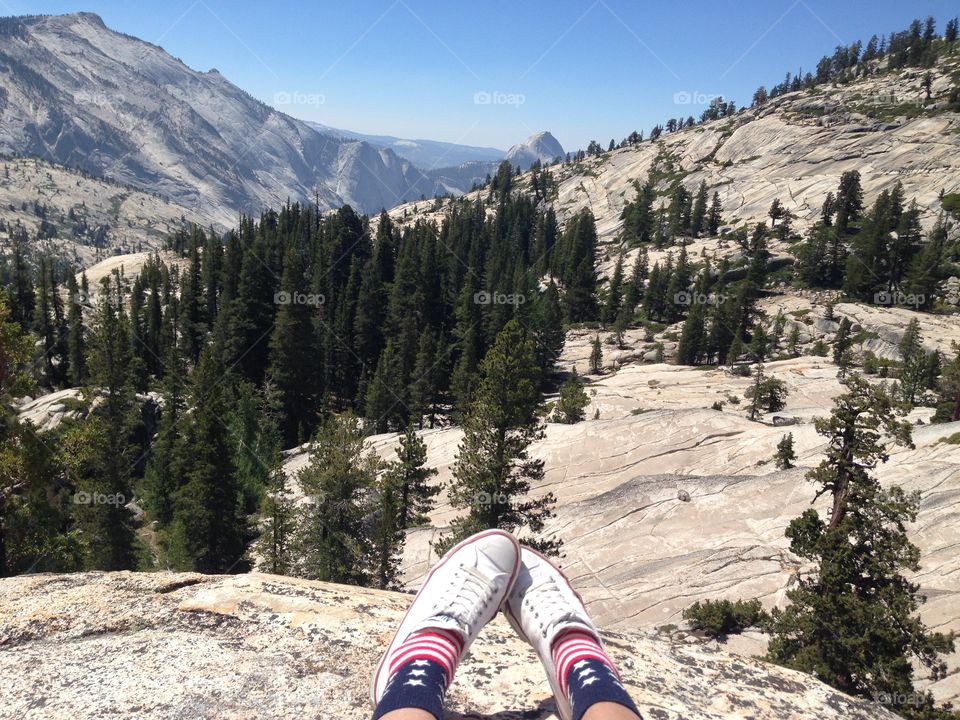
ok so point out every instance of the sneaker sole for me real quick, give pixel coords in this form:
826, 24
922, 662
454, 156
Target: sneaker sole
450, 553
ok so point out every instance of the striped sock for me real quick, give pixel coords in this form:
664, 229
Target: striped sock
421, 670
587, 675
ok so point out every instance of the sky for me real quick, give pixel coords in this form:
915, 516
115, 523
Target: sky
491, 73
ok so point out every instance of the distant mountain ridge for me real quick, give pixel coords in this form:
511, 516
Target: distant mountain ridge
427, 155
74, 92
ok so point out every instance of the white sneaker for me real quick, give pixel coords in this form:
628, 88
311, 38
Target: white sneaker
463, 592
541, 605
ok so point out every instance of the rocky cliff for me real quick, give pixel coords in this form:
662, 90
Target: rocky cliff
191, 646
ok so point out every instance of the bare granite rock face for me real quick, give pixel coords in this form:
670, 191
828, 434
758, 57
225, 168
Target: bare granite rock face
640, 555
166, 645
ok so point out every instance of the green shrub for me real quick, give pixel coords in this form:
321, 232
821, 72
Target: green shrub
740, 370
722, 617
820, 349
951, 203
572, 401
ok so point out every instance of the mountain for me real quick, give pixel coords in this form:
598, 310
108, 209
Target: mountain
76, 93
794, 147
82, 218
540, 146
186, 645
426, 155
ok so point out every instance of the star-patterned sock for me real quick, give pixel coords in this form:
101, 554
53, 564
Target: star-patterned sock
587, 675
421, 670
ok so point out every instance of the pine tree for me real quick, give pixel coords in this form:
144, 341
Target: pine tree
208, 530
333, 543
493, 471
260, 458
775, 212
21, 296
192, 326
950, 32
109, 462
571, 401
678, 284
637, 216
759, 343
852, 621
162, 475
754, 391
76, 347
579, 275
714, 217
547, 323
291, 352
768, 394
913, 363
405, 500
596, 356
43, 321
427, 375
693, 337
385, 401
415, 495
387, 538
948, 389
638, 275
253, 423
614, 293
842, 343
785, 453
698, 216
793, 343
735, 351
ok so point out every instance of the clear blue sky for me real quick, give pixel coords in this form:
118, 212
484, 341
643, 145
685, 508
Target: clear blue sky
582, 69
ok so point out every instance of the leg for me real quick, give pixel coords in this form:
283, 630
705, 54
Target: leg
411, 714
547, 612
462, 593
599, 711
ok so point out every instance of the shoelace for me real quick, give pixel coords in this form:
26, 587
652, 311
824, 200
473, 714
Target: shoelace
468, 594
549, 605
